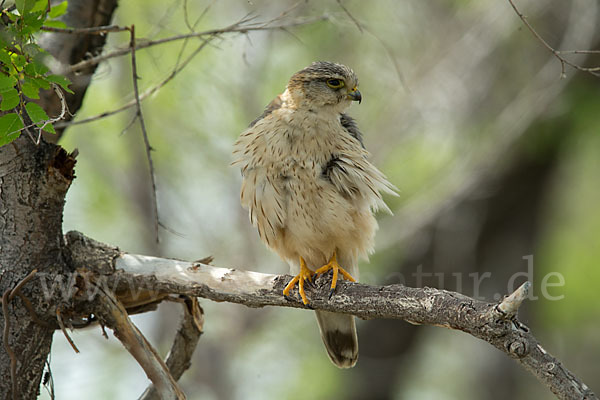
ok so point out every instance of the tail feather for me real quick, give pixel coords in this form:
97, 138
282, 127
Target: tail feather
338, 332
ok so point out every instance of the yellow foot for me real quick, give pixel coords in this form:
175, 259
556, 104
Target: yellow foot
337, 269
304, 275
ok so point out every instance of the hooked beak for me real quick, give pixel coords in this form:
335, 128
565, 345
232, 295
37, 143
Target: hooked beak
355, 95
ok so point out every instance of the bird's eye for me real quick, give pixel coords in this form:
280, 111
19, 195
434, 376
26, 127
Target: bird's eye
335, 83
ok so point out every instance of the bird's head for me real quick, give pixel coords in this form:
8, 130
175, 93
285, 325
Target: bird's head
324, 84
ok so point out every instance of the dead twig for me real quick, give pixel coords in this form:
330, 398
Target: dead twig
112, 314
9, 351
557, 53
97, 30
149, 92
64, 330
243, 26
185, 342
7, 297
140, 117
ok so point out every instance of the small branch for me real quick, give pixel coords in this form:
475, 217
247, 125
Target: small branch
557, 53
242, 26
98, 30
140, 116
112, 314
64, 109
9, 351
184, 344
144, 95
64, 331
510, 305
358, 25
7, 297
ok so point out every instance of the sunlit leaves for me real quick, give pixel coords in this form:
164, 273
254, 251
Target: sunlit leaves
58, 10
10, 128
10, 99
60, 80
22, 71
39, 116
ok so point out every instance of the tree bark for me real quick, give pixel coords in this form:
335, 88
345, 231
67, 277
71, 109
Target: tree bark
33, 184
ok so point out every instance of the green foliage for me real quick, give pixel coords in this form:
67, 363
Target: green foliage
22, 70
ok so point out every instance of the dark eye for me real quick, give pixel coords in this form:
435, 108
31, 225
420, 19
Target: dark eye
335, 83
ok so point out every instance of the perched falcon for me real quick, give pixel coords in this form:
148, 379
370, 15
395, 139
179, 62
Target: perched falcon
310, 190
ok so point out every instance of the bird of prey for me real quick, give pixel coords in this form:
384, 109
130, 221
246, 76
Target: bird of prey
311, 191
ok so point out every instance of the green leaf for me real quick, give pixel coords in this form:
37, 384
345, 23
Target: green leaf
24, 6
4, 57
41, 82
10, 128
40, 5
32, 49
58, 10
10, 99
7, 82
60, 80
37, 114
35, 68
30, 89
56, 24
32, 22
19, 60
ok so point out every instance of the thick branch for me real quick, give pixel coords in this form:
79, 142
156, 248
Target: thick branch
495, 323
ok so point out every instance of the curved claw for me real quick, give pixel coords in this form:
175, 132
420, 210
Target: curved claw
337, 269
304, 275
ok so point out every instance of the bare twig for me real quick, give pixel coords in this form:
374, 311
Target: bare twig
242, 26
184, 344
97, 30
358, 25
31, 311
563, 61
207, 37
7, 297
64, 330
510, 305
9, 351
140, 116
112, 314
22, 283
147, 93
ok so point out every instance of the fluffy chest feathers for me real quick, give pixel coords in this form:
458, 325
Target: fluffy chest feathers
306, 140
307, 184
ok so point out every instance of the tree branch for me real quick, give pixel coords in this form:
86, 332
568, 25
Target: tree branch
137, 276
186, 339
112, 314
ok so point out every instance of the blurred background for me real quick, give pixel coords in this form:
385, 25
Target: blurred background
495, 151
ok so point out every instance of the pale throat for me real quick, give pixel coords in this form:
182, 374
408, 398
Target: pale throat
317, 112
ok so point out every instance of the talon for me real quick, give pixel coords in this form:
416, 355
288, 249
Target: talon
337, 269
304, 275
331, 292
